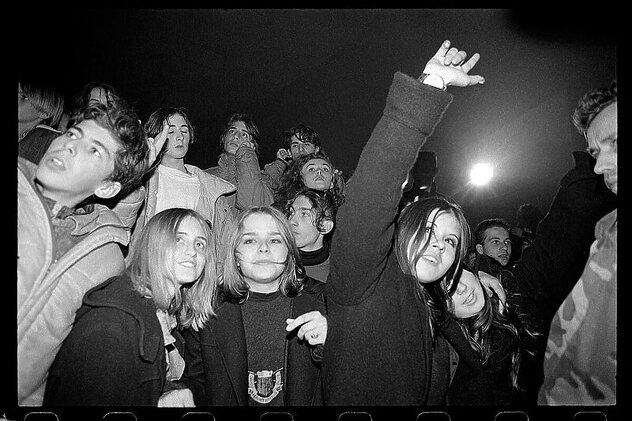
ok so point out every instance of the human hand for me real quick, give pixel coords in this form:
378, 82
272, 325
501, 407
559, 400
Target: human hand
313, 327
156, 144
177, 398
448, 63
491, 283
284, 155
247, 145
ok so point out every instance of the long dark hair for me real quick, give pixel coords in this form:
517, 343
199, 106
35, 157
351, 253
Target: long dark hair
411, 240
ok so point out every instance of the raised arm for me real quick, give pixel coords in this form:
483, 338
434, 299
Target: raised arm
366, 221
252, 189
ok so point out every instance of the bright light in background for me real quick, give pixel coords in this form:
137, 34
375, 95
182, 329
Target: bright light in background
480, 174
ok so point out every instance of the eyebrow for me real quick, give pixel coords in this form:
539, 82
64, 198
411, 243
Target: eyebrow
324, 164
95, 141
199, 237
254, 233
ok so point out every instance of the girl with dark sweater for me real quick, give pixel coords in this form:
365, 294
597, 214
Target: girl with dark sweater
265, 345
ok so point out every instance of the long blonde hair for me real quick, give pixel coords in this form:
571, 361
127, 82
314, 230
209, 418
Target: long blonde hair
150, 273
234, 286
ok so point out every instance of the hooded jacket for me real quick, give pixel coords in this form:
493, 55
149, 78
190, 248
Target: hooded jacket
49, 292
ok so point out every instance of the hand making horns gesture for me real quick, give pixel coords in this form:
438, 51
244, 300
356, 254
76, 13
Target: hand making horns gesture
448, 63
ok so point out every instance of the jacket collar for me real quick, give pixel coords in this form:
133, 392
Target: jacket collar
228, 330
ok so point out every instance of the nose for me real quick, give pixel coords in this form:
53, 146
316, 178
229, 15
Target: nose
71, 147
292, 220
435, 242
190, 250
605, 162
263, 247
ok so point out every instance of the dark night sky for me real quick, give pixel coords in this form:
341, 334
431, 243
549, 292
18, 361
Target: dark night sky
331, 69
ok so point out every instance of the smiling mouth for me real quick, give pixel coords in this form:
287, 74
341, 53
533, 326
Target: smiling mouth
469, 298
430, 259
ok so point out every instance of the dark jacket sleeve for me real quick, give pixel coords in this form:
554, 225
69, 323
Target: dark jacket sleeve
193, 376
365, 222
551, 266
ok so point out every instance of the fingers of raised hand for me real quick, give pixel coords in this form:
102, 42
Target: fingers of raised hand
451, 57
467, 66
443, 49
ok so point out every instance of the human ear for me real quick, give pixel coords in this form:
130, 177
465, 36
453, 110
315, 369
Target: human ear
479, 249
43, 115
108, 189
326, 226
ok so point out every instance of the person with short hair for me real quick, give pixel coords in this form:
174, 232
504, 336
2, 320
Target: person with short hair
177, 184
580, 362
492, 246
296, 141
238, 163
312, 217
69, 241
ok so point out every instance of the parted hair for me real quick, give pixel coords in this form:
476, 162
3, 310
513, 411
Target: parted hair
151, 274
291, 180
45, 98
412, 240
232, 282
250, 124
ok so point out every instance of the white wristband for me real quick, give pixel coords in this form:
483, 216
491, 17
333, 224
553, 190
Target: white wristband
433, 80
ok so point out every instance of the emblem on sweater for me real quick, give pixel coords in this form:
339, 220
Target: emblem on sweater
265, 385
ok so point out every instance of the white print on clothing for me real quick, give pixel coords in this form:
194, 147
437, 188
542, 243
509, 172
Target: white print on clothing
265, 385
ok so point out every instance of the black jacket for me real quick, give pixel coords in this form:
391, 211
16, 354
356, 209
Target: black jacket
217, 361
379, 350
114, 354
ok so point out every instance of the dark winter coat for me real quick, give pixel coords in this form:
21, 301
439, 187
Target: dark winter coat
217, 361
379, 349
115, 353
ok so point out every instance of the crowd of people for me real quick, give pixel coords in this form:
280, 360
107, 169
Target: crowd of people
147, 281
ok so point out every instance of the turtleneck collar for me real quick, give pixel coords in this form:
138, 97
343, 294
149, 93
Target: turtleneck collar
311, 258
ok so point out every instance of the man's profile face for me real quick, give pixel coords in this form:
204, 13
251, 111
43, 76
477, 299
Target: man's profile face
602, 144
497, 245
302, 222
